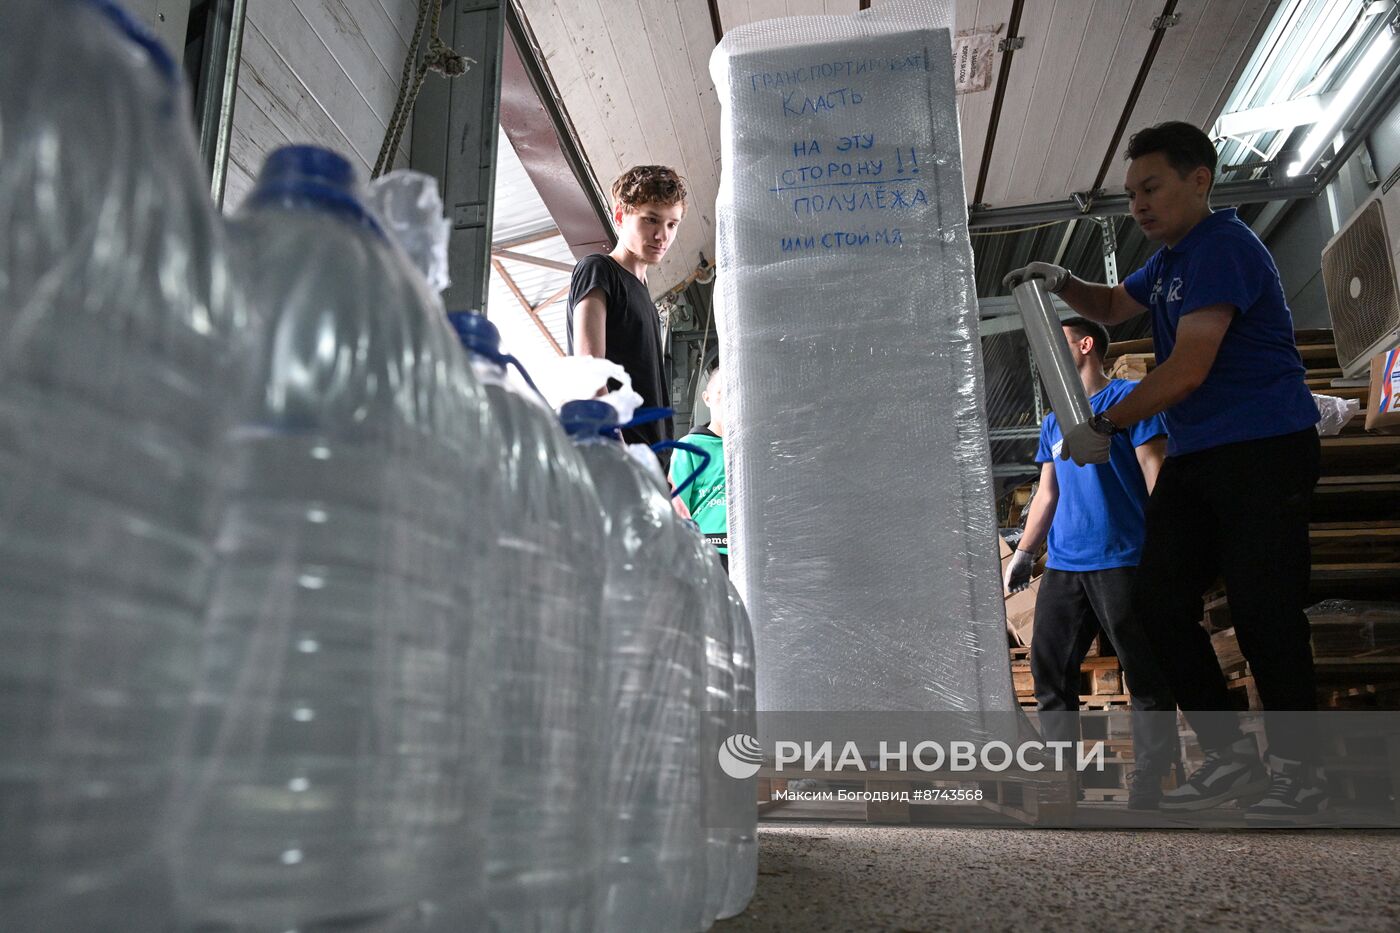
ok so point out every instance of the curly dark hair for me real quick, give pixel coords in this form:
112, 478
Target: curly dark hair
648, 184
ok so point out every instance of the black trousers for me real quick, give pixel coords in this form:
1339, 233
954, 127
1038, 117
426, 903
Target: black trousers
1240, 510
1071, 608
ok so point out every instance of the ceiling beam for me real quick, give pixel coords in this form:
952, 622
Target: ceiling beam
553, 298
526, 258
526, 239
525, 305
1224, 194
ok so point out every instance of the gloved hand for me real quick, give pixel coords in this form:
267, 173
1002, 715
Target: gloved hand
1052, 275
1084, 445
1018, 571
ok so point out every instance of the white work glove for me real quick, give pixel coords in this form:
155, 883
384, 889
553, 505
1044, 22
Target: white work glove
1018, 571
1055, 277
1084, 445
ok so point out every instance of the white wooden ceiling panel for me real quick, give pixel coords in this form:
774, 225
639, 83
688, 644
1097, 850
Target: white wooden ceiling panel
975, 110
693, 21
1086, 89
1038, 27
1053, 96
1119, 59
552, 25
737, 13
603, 76
691, 122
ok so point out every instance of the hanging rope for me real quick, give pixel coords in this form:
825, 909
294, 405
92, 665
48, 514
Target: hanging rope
439, 57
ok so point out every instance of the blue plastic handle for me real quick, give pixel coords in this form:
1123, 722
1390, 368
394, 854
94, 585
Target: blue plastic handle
646, 416
479, 336
703, 454
140, 35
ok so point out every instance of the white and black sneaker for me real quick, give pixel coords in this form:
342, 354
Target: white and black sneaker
1297, 795
1226, 775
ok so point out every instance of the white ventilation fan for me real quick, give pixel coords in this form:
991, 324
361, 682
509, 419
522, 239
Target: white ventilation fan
1361, 272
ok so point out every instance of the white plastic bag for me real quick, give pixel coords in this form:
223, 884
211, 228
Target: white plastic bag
1335, 412
410, 207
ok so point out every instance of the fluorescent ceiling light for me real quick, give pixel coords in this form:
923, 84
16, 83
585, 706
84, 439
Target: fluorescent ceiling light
1346, 96
1280, 116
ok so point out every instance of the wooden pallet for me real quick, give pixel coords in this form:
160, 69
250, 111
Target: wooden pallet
1098, 676
1368, 453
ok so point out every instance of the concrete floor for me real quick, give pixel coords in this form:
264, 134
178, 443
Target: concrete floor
896, 879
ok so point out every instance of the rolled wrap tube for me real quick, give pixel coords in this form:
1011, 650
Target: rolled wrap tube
1052, 357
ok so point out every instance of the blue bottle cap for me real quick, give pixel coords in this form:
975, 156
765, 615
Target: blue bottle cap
311, 177
588, 417
310, 164
476, 333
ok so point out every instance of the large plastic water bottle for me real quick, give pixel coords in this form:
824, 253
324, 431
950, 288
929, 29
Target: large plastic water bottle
543, 842
114, 329
654, 873
719, 704
342, 712
742, 813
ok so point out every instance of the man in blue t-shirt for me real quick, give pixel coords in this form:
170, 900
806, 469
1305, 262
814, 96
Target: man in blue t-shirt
1242, 460
1093, 516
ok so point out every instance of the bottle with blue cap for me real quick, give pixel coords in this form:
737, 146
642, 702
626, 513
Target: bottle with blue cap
115, 332
653, 607
542, 844
342, 710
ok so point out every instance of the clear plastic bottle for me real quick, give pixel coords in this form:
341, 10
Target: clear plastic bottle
542, 846
718, 706
742, 820
655, 852
342, 706
114, 335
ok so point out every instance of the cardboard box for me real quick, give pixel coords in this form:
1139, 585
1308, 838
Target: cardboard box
1020, 612
1005, 551
1383, 411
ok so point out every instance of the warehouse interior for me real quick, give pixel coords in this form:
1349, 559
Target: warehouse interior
521, 113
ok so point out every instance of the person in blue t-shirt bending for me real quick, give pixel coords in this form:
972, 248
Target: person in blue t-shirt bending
1242, 460
1093, 516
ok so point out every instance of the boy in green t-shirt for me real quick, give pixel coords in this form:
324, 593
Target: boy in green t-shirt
705, 497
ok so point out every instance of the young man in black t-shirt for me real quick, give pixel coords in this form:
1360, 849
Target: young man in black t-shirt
611, 313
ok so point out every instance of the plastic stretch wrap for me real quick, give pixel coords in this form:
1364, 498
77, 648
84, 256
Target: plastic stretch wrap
409, 206
720, 704
740, 794
1051, 352
655, 851
1334, 413
543, 845
342, 731
114, 342
861, 514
